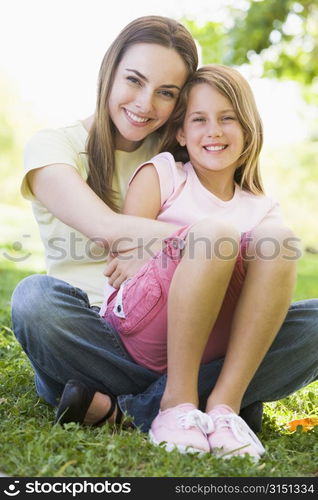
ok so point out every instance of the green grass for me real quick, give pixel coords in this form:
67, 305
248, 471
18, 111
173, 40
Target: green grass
30, 445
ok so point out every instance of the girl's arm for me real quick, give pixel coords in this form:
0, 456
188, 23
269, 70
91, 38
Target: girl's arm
143, 196
67, 196
143, 199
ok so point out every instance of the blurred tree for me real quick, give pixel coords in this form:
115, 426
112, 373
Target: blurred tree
15, 124
280, 35
284, 33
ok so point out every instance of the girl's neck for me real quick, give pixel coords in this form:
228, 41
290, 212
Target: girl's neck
221, 184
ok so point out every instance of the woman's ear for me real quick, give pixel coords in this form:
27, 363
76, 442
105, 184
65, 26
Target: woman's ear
180, 137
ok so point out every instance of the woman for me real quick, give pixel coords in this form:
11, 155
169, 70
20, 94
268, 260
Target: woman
76, 182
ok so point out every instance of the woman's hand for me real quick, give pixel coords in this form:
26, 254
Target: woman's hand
126, 264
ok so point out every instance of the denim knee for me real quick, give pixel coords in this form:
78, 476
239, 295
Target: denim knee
28, 299
31, 304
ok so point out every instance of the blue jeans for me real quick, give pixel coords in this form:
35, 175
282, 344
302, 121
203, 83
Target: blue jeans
66, 338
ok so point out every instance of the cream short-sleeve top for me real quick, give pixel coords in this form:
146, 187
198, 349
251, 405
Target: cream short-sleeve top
69, 255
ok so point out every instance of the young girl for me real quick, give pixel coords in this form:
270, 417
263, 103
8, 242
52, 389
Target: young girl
222, 285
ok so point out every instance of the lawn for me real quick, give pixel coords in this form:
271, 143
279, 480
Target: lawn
32, 446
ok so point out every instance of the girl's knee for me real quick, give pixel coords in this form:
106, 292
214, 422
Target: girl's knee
272, 240
214, 229
217, 238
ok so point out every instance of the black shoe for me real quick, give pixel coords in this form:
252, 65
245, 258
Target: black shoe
75, 401
253, 414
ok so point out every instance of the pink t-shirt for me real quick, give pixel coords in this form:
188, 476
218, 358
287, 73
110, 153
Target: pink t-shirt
184, 200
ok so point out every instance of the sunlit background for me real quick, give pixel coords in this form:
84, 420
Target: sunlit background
50, 55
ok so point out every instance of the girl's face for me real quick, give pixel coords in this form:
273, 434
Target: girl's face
146, 86
211, 131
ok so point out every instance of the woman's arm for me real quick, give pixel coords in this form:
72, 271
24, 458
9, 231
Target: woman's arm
67, 196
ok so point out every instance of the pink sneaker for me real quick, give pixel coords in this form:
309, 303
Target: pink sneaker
183, 427
231, 435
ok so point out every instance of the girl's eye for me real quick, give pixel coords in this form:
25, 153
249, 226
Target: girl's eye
226, 118
198, 119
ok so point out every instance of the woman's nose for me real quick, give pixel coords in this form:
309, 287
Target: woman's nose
144, 101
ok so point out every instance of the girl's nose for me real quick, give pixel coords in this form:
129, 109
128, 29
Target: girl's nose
215, 130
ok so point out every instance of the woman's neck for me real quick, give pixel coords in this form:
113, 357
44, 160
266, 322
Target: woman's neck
121, 143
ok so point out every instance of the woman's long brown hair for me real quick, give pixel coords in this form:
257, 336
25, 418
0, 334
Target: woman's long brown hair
101, 140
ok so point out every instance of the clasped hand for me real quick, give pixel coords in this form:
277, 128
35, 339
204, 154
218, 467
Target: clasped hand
124, 265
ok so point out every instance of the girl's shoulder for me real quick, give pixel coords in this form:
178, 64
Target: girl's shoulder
171, 174
167, 160
166, 165
257, 198
261, 204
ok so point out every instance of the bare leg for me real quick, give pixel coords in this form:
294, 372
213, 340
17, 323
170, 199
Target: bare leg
197, 278
260, 312
99, 407
199, 284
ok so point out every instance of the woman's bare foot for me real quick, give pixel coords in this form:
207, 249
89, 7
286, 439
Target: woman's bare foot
98, 408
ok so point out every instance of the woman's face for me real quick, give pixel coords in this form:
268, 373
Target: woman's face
146, 86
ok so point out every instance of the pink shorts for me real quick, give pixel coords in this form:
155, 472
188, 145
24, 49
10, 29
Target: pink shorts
138, 310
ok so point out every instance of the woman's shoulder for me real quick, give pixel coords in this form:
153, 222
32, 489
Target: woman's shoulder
74, 133
64, 145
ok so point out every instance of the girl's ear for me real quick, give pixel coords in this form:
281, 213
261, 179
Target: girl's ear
180, 137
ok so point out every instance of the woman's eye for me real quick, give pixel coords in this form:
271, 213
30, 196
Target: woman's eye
199, 119
134, 80
226, 118
167, 93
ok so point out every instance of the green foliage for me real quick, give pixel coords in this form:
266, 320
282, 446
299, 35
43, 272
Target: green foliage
291, 176
17, 124
281, 34
284, 33
10, 149
211, 38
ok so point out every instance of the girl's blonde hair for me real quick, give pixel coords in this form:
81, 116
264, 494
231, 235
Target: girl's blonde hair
101, 140
231, 84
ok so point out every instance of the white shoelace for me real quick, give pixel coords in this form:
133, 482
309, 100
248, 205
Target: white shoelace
196, 418
240, 429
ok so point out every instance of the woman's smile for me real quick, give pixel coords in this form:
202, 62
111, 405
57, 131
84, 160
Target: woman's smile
144, 92
136, 119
